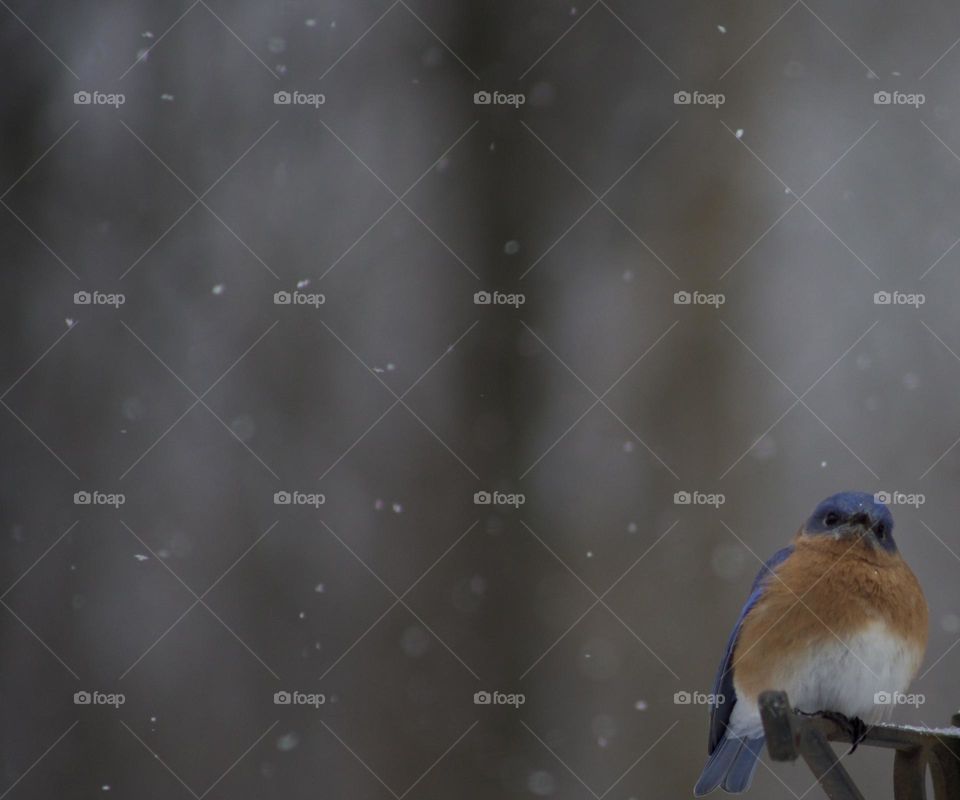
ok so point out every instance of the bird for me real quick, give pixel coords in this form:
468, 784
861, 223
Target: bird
834, 619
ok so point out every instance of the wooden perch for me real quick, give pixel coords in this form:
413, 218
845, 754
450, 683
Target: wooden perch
790, 734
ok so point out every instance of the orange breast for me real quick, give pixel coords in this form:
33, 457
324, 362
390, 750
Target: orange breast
826, 590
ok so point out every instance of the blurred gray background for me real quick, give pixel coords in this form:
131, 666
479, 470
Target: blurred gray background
600, 598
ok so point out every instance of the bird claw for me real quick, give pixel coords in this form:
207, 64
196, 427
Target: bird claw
854, 726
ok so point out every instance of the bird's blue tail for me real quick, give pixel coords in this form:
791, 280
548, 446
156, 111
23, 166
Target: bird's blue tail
731, 765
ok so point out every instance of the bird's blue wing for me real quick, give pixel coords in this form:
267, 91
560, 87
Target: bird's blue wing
723, 685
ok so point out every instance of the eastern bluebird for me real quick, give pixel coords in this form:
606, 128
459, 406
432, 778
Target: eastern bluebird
833, 619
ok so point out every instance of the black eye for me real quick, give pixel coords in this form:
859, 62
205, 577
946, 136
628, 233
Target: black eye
881, 531
831, 519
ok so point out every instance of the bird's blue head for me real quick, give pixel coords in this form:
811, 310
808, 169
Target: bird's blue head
853, 514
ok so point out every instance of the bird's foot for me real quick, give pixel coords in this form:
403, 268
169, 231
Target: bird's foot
854, 726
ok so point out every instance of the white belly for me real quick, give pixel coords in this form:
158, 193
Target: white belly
844, 677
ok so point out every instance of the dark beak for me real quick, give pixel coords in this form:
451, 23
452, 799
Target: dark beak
860, 523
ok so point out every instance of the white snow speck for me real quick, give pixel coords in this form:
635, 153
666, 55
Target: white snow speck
739, 133
287, 742
722, 28
319, 588
218, 289
141, 557
310, 23
640, 705
512, 247
166, 97
303, 284
397, 508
